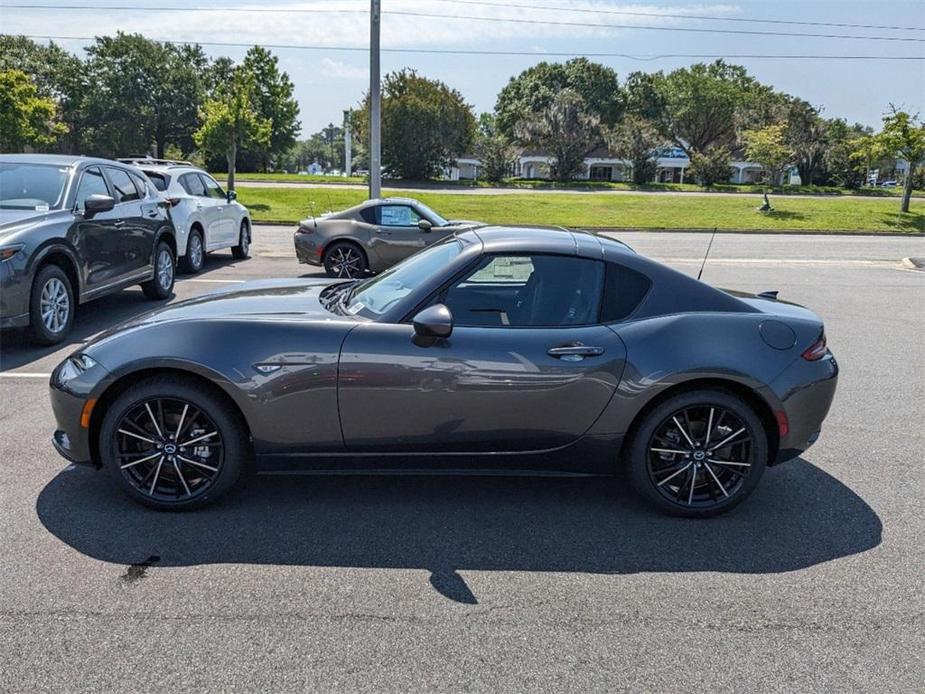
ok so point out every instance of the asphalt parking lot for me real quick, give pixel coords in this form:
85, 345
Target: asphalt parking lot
520, 584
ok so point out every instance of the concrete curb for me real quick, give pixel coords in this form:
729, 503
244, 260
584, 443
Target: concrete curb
914, 263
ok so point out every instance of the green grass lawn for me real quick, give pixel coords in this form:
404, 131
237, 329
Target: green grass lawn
615, 211
584, 185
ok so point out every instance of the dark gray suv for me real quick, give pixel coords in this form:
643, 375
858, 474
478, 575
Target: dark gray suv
73, 229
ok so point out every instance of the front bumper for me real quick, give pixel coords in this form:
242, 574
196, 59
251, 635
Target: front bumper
15, 286
72, 440
806, 390
309, 248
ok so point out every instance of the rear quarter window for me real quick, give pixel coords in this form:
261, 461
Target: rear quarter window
369, 215
624, 290
160, 181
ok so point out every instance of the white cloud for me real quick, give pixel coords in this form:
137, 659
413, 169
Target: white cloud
335, 68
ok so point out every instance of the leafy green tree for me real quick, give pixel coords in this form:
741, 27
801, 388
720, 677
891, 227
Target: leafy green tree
534, 89
903, 137
493, 150
768, 146
274, 102
231, 121
711, 167
847, 157
425, 125
636, 140
806, 135
566, 130
26, 119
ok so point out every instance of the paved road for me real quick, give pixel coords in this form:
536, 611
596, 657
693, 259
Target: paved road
465, 190
365, 584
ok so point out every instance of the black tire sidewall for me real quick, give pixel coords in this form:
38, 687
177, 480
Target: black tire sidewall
237, 450
187, 260
637, 463
152, 288
364, 266
37, 328
243, 249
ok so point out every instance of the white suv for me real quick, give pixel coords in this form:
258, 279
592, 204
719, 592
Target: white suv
206, 218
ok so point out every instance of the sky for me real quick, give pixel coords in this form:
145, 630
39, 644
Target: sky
330, 78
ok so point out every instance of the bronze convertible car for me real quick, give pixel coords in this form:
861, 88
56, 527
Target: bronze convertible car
497, 349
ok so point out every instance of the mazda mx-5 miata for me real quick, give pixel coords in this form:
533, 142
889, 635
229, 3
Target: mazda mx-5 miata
498, 349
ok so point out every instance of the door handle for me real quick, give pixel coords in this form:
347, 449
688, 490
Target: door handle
119, 223
575, 352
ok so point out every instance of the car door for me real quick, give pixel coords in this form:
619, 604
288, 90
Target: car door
225, 222
132, 235
528, 366
96, 238
397, 233
205, 209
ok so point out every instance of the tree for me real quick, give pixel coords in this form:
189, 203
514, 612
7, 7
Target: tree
230, 121
26, 119
274, 102
848, 156
637, 140
768, 147
807, 137
903, 137
712, 166
425, 125
534, 89
566, 129
493, 150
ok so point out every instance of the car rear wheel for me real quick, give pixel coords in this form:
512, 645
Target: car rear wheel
165, 269
346, 260
698, 454
195, 256
51, 306
171, 444
243, 249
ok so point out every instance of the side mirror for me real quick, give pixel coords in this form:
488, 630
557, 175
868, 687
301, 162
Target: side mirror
433, 322
425, 226
97, 203
231, 195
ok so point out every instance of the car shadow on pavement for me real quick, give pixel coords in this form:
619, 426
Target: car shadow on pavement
798, 517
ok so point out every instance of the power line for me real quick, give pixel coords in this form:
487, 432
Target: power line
534, 54
505, 20
665, 15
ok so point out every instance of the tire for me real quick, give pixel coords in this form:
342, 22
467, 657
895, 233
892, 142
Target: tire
160, 286
345, 259
51, 306
182, 477
195, 257
243, 249
697, 481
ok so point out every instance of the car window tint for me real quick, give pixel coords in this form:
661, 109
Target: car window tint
528, 291
91, 183
141, 185
124, 189
159, 181
398, 216
624, 290
213, 189
368, 215
192, 184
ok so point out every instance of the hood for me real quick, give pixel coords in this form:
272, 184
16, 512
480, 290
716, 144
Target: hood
18, 220
292, 299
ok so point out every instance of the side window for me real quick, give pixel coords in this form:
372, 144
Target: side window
141, 185
624, 290
398, 216
213, 189
159, 181
528, 291
125, 190
192, 184
91, 183
368, 214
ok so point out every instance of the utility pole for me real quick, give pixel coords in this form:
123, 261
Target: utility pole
375, 106
348, 144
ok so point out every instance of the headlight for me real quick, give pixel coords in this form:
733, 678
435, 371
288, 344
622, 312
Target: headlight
8, 252
74, 366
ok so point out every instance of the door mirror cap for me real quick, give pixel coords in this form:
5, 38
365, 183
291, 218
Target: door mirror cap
433, 322
98, 203
424, 225
231, 195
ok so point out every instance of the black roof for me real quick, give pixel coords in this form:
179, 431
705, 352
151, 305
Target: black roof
544, 239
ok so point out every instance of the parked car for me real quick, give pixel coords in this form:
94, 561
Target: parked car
371, 236
205, 216
499, 349
888, 184
74, 229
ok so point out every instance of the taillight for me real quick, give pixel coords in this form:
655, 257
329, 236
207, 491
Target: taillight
817, 350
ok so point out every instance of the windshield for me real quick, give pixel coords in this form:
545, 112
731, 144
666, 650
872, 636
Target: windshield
38, 187
375, 296
430, 214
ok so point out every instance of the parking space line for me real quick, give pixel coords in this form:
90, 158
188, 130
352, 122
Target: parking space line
215, 281
25, 374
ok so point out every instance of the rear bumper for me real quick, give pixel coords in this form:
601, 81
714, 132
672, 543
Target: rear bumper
806, 390
308, 248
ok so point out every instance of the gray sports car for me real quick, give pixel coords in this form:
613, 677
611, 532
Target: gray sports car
497, 349
371, 236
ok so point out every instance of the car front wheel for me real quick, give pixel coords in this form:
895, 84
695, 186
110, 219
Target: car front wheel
698, 454
243, 249
173, 444
51, 306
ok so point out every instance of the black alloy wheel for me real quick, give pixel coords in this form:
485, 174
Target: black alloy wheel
345, 260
